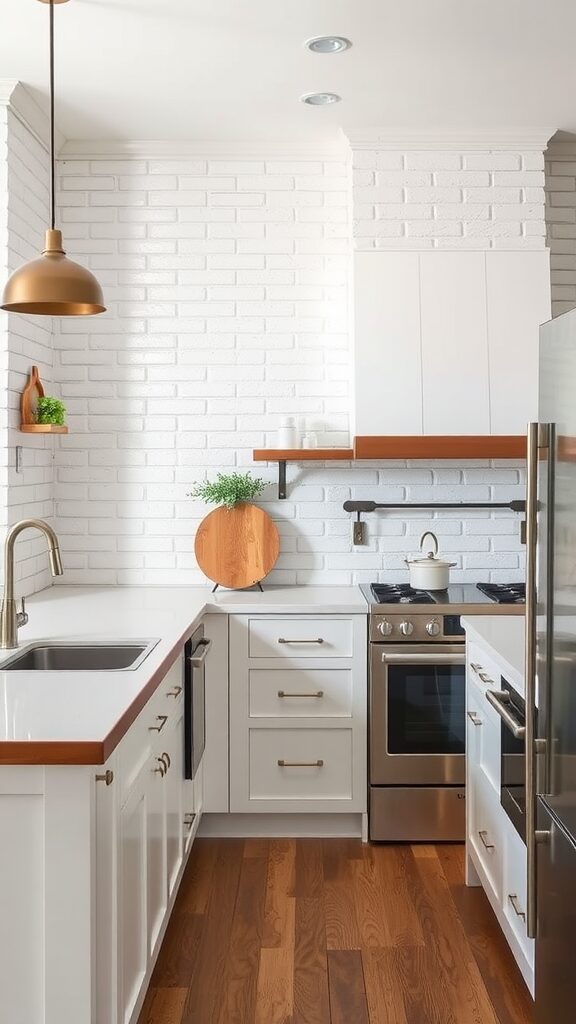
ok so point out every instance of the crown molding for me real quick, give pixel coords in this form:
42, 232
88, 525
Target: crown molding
16, 98
215, 149
457, 139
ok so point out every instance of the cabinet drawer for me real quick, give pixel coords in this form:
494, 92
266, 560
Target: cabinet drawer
482, 669
485, 831
295, 637
153, 722
300, 693
483, 731
514, 890
317, 764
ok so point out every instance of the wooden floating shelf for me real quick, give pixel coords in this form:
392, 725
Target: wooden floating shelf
42, 428
302, 454
473, 446
395, 446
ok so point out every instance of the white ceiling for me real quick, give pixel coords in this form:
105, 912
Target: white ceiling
234, 69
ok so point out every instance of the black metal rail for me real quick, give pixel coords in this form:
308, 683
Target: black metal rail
371, 506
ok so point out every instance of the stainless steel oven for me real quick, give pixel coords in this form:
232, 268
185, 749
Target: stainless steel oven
512, 710
417, 731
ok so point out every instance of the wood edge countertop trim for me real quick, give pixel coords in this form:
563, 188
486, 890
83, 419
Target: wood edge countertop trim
92, 752
472, 446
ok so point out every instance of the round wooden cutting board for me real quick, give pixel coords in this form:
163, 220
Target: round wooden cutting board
237, 547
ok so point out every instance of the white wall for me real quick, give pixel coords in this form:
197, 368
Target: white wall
227, 283
24, 340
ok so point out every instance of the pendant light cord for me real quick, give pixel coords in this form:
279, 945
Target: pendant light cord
52, 174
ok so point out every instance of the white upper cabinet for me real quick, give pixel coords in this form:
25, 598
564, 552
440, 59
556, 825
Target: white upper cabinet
447, 342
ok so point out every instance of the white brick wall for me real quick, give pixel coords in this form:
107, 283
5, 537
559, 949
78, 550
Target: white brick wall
227, 286
24, 341
448, 200
561, 219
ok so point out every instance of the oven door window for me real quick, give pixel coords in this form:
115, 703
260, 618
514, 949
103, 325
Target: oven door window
426, 709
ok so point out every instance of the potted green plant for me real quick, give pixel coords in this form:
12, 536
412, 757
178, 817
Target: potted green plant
229, 489
50, 410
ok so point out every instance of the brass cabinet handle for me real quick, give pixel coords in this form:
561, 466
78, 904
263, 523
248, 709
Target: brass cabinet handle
161, 769
513, 899
281, 640
481, 673
107, 777
301, 764
487, 846
175, 692
158, 728
166, 758
282, 693
474, 718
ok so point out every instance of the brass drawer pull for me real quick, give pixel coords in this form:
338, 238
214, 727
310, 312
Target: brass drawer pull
282, 693
175, 692
487, 846
166, 758
161, 769
481, 673
107, 777
281, 640
158, 728
513, 899
474, 718
301, 764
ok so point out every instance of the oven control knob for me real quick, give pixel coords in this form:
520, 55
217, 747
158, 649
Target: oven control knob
433, 627
385, 627
406, 628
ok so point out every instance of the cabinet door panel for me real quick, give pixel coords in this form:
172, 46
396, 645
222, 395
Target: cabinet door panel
133, 898
174, 804
518, 301
157, 888
388, 371
454, 343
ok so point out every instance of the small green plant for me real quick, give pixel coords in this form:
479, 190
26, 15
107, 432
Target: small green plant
229, 489
50, 410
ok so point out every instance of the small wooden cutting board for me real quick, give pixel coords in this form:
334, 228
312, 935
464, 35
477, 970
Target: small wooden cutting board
237, 547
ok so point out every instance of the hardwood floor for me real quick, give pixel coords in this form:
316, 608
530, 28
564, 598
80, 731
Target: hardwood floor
332, 932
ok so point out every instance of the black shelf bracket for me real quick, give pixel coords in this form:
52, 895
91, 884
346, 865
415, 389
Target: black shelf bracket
282, 478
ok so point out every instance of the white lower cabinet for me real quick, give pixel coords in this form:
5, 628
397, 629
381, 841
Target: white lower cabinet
496, 854
139, 892
298, 713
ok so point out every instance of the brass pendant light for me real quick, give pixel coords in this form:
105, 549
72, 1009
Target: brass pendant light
53, 285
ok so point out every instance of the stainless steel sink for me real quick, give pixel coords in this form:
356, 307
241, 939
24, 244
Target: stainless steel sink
97, 656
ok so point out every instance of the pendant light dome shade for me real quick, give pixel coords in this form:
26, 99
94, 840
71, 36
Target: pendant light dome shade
53, 285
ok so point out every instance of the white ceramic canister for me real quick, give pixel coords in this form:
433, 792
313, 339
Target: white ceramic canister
287, 433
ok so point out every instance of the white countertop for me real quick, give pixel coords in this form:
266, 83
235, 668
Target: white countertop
79, 708
504, 636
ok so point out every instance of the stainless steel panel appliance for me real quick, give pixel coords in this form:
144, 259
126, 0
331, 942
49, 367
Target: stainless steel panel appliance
417, 708
511, 708
195, 654
550, 770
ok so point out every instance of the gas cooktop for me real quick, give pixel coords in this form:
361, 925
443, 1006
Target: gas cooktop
481, 598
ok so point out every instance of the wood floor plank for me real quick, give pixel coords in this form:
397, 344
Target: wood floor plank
163, 1006
342, 929
206, 991
179, 950
446, 941
309, 872
238, 1005
311, 995
275, 990
374, 911
256, 848
196, 883
278, 929
346, 982
392, 868
384, 992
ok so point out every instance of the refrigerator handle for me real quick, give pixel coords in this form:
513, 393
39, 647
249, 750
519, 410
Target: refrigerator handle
530, 669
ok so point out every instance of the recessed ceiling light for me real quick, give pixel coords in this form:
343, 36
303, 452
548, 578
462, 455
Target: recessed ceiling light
320, 99
328, 44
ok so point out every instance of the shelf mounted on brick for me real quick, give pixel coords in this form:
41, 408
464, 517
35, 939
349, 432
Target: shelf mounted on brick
28, 405
282, 456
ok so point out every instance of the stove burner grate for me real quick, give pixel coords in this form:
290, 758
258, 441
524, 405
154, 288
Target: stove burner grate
400, 593
504, 593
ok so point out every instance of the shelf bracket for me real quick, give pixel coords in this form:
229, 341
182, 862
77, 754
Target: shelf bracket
281, 478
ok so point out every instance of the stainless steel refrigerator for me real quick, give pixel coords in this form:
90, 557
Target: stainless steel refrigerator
551, 676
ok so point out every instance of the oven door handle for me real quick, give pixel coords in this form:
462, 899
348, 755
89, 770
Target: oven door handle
499, 699
423, 659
